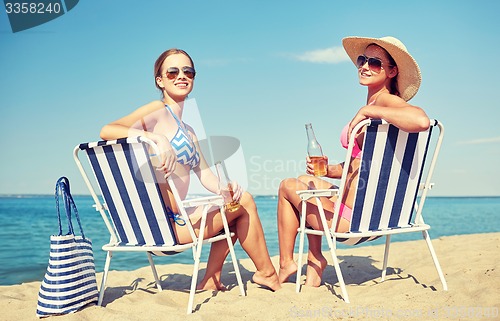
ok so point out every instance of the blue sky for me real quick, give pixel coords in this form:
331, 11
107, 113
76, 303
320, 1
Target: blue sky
264, 69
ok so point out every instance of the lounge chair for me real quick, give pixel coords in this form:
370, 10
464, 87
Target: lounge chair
390, 196
139, 220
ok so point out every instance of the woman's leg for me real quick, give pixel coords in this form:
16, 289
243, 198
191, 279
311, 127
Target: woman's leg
247, 226
216, 258
316, 262
288, 223
252, 240
289, 205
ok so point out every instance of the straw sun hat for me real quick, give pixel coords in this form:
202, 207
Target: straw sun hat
409, 76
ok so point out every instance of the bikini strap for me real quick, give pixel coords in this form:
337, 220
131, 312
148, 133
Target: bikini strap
173, 115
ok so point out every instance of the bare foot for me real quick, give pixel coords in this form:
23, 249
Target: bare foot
315, 270
269, 280
286, 271
211, 284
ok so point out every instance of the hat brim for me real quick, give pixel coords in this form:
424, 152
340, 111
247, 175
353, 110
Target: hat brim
409, 76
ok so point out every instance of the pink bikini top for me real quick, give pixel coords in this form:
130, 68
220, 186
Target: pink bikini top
356, 151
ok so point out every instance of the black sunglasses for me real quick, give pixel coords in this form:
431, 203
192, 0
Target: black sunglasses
374, 64
173, 72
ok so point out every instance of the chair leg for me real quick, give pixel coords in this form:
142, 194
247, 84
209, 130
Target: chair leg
235, 265
197, 255
194, 279
332, 244
104, 277
233, 255
301, 246
386, 256
155, 274
435, 259
337, 269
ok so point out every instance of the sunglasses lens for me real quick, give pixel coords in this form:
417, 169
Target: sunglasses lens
172, 72
375, 64
361, 61
189, 72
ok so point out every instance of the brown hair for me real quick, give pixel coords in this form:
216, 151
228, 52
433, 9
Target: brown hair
161, 59
393, 86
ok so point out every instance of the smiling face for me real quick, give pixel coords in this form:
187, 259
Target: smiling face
176, 86
368, 77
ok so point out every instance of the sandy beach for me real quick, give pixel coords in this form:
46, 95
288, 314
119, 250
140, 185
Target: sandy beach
412, 290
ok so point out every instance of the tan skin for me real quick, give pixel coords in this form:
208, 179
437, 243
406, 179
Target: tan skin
380, 104
153, 121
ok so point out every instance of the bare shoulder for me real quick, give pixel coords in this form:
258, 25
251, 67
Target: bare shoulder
390, 100
153, 106
148, 110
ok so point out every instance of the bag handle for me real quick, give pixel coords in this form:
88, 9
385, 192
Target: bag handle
62, 188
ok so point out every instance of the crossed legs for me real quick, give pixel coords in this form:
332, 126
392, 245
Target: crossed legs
246, 225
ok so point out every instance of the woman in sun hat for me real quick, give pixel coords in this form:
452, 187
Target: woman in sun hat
392, 78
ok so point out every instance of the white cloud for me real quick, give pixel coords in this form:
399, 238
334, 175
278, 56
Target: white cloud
222, 62
480, 141
331, 55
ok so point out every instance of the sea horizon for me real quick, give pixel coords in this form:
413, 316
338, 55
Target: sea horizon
28, 221
255, 195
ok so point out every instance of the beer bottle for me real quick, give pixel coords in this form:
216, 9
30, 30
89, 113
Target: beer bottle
226, 188
315, 152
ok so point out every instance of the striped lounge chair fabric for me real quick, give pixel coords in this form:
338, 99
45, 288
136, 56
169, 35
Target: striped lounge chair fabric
392, 186
134, 210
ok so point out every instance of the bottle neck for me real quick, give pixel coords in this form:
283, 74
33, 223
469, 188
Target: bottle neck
310, 134
221, 174
313, 146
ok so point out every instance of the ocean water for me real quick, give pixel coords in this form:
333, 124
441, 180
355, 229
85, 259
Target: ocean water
28, 221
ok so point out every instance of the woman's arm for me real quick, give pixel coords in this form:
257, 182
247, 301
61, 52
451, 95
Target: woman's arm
334, 171
141, 122
138, 123
396, 111
207, 178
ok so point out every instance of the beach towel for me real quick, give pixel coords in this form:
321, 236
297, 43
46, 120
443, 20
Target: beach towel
70, 280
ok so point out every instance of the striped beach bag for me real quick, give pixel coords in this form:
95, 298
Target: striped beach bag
70, 280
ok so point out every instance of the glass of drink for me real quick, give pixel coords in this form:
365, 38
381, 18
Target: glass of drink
226, 188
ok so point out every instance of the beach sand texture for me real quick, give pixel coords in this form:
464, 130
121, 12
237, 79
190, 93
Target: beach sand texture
412, 290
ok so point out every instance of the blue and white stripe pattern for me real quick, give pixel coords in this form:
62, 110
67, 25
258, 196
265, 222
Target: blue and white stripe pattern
389, 178
185, 149
69, 282
183, 144
139, 214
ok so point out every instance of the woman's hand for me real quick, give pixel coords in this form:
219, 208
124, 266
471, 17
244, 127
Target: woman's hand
167, 155
237, 191
310, 166
359, 117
